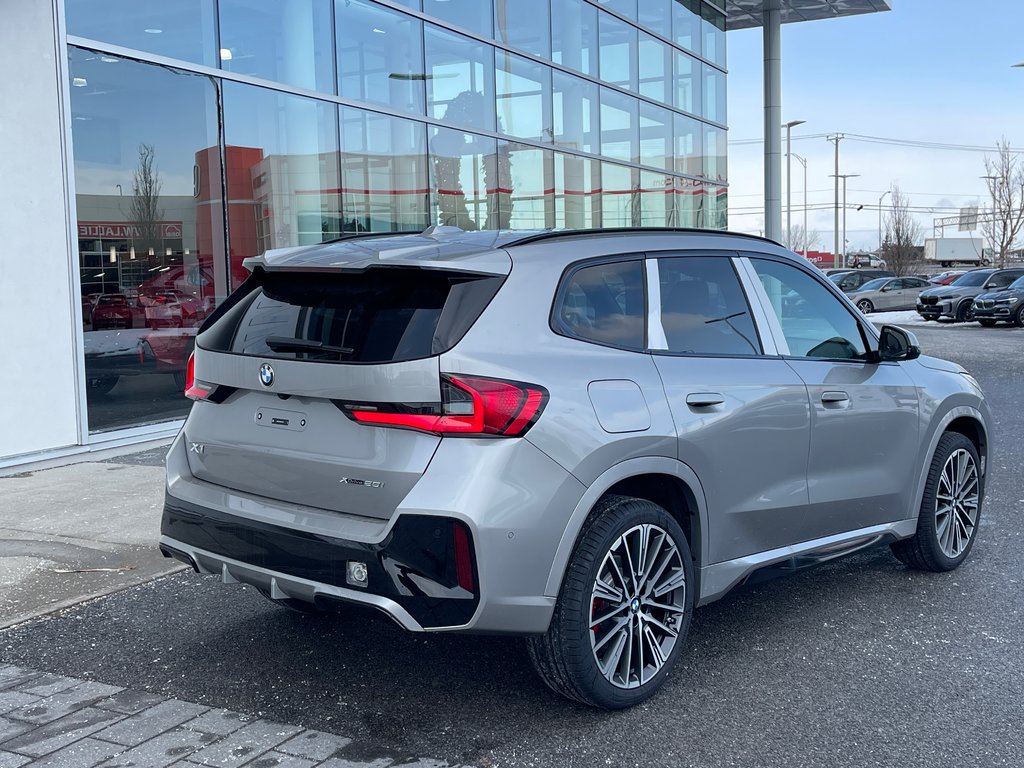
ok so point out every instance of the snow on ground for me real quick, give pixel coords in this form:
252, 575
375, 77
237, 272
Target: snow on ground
910, 318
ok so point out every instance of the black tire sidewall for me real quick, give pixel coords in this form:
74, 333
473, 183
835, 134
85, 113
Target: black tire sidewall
1018, 318
926, 531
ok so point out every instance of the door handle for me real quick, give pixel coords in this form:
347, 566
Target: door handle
704, 399
834, 397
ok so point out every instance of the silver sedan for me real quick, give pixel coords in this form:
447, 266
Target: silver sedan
889, 293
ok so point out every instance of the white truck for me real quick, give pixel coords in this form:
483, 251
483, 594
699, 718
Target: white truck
951, 251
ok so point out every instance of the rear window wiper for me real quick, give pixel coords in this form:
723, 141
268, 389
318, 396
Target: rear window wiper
286, 344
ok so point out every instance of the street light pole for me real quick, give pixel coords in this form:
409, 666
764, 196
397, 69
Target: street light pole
789, 172
803, 162
844, 177
880, 221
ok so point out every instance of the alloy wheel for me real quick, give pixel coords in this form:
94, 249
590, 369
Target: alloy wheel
637, 606
956, 503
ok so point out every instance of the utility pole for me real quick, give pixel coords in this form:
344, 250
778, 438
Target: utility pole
789, 172
835, 255
844, 177
803, 162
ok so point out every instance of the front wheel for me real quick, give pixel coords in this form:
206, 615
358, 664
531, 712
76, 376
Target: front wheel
865, 306
947, 523
965, 312
1018, 317
624, 609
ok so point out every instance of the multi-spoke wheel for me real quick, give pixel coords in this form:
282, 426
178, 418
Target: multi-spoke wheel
624, 608
947, 524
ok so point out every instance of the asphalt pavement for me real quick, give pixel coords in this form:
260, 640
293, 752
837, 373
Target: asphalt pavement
857, 663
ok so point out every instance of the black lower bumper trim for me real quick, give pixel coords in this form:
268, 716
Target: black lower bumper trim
413, 566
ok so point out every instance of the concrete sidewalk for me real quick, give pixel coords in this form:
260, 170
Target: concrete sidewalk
80, 531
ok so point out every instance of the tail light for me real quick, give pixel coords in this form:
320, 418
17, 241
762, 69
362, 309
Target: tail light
470, 406
195, 390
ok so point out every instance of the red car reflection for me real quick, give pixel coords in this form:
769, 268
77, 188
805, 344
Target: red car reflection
111, 310
112, 354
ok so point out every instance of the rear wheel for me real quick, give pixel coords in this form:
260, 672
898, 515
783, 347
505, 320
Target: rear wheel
1018, 317
865, 306
947, 523
101, 385
987, 323
965, 312
624, 608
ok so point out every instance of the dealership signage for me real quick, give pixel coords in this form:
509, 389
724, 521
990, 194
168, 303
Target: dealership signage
123, 230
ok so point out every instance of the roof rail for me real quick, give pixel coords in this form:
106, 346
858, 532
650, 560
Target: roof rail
559, 233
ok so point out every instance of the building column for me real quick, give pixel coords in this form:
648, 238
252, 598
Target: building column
773, 121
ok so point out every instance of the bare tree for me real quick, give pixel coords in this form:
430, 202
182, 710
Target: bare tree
1005, 176
801, 240
902, 233
145, 212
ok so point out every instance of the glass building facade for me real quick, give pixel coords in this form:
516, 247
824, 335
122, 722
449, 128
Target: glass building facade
207, 131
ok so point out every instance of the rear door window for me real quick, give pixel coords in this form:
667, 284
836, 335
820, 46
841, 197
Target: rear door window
604, 303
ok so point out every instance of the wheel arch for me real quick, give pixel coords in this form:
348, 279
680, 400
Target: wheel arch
667, 482
966, 420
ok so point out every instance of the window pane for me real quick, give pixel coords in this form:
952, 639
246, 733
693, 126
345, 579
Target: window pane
473, 15
618, 41
714, 94
713, 27
717, 206
626, 7
656, 15
523, 24
688, 91
380, 55
813, 320
576, 113
152, 261
689, 145
714, 153
416, 5
460, 79
620, 204
527, 176
577, 187
574, 35
184, 29
287, 42
384, 173
655, 136
703, 309
524, 97
464, 179
689, 203
619, 126
686, 25
657, 203
605, 303
655, 69
286, 147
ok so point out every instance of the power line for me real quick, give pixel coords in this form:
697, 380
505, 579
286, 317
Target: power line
910, 143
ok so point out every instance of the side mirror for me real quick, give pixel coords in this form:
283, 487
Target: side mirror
896, 344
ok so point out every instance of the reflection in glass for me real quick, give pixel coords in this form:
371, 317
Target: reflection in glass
577, 191
285, 149
384, 173
714, 153
473, 15
620, 133
576, 113
655, 136
657, 200
465, 171
620, 196
574, 35
713, 28
655, 68
527, 178
714, 94
523, 24
716, 203
689, 151
626, 7
149, 198
287, 42
656, 15
688, 81
460, 79
184, 29
686, 31
689, 203
618, 42
380, 55
524, 97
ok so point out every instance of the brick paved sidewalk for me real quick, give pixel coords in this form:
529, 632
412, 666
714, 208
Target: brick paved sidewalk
62, 722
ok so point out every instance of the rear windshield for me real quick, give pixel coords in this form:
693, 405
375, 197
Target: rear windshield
376, 316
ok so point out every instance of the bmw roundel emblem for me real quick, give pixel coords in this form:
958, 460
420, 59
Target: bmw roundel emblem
266, 375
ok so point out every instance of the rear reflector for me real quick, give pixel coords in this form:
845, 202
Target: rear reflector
470, 405
463, 556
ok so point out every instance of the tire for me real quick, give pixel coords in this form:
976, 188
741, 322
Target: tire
566, 657
1018, 317
944, 539
987, 323
101, 385
965, 312
865, 306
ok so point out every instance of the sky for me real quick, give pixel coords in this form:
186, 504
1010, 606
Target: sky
929, 70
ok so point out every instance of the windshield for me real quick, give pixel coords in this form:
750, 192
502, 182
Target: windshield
874, 285
972, 279
835, 277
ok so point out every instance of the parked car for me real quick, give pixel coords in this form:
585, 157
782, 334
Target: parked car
574, 436
945, 278
888, 294
956, 301
111, 310
1007, 305
867, 260
171, 309
109, 356
855, 278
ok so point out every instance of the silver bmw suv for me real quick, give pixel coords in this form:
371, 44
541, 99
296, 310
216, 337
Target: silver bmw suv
575, 436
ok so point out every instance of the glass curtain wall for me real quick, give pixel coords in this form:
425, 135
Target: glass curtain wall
234, 126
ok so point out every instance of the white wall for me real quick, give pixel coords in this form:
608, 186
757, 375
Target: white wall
38, 379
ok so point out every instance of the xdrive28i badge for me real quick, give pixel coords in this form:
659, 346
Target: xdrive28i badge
266, 374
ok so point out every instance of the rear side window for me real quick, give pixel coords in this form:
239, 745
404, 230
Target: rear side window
380, 315
604, 303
